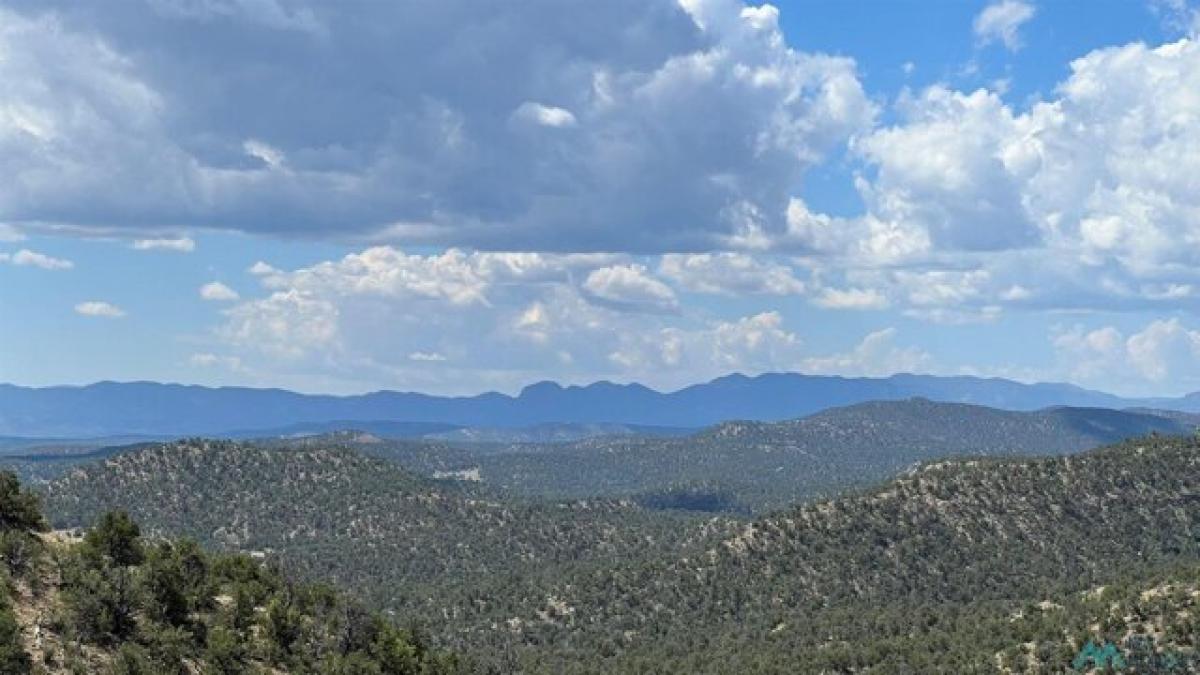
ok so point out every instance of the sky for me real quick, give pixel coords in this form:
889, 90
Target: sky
457, 197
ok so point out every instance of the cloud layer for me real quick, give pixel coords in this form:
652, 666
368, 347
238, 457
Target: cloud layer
461, 321
519, 131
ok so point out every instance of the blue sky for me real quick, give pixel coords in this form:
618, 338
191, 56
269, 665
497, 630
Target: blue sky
344, 197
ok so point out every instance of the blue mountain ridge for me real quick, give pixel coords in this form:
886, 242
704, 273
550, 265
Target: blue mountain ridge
110, 408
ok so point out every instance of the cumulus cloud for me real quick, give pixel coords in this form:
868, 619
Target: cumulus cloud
218, 291
1086, 200
942, 287
630, 287
544, 115
270, 156
370, 306
262, 269
99, 308
754, 343
459, 321
876, 355
27, 258
1001, 21
178, 244
1104, 171
384, 271
851, 298
207, 360
729, 273
1165, 350
456, 276
288, 324
9, 234
564, 140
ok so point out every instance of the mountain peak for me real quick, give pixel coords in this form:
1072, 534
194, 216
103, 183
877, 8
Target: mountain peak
538, 389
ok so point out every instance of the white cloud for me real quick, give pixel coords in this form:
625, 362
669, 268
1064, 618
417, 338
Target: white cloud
534, 323
178, 244
207, 360
547, 116
271, 156
1016, 293
286, 324
458, 322
729, 274
942, 287
1001, 21
851, 298
942, 180
27, 258
1085, 200
756, 343
369, 305
262, 269
1163, 351
876, 355
218, 291
452, 276
754, 340
1163, 346
630, 287
100, 309
1103, 171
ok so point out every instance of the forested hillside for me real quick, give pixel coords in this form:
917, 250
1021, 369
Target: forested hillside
924, 573
902, 574
408, 544
757, 466
115, 601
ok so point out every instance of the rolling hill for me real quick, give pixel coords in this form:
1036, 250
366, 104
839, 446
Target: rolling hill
935, 572
337, 515
758, 466
956, 566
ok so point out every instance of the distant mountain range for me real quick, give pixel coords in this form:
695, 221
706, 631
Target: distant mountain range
149, 408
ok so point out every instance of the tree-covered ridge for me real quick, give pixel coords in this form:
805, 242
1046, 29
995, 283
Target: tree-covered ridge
846, 583
758, 466
921, 574
117, 602
1149, 625
440, 550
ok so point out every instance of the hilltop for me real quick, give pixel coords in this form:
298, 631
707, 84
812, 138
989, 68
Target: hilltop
758, 466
